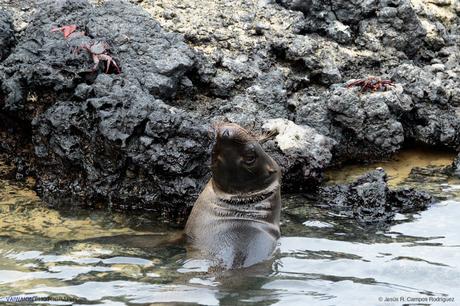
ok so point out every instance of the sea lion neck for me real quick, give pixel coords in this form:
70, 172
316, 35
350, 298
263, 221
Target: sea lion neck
239, 164
245, 198
260, 207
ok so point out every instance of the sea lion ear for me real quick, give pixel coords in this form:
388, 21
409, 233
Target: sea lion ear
271, 170
216, 124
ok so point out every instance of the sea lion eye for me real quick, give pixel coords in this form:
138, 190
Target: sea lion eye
250, 159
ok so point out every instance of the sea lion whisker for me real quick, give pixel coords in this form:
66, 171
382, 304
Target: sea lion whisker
270, 135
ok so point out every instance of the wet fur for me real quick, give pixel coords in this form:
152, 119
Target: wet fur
245, 133
237, 228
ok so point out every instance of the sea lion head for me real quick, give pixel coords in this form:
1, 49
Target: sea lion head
239, 164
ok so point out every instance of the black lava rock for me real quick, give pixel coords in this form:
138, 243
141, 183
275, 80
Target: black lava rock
456, 165
7, 38
370, 201
140, 138
107, 137
408, 200
389, 23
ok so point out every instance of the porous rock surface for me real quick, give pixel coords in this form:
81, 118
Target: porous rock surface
103, 137
369, 200
141, 138
456, 165
7, 38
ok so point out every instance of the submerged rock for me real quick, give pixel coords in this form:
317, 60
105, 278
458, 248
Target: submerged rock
369, 200
409, 200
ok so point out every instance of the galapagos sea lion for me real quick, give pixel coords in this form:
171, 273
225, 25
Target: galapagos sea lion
235, 220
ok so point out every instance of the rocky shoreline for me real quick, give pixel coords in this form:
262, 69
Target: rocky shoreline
369, 200
141, 139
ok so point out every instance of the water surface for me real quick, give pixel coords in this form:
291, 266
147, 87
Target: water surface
104, 258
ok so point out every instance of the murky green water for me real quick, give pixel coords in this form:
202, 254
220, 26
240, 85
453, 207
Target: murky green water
101, 258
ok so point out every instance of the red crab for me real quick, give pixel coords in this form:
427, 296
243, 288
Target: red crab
68, 30
99, 51
372, 84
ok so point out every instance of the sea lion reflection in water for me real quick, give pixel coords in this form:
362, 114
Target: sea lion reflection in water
235, 220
